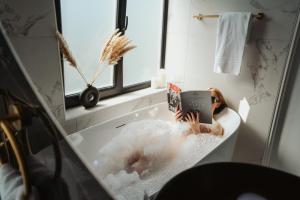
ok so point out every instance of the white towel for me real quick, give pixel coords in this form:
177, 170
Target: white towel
231, 39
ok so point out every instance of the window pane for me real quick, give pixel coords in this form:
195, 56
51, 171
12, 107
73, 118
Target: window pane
145, 30
86, 25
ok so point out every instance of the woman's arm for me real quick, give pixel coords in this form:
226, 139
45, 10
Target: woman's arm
217, 129
197, 127
193, 125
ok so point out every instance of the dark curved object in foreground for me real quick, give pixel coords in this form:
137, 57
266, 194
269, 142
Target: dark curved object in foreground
231, 181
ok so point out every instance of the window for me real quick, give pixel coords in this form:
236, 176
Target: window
86, 27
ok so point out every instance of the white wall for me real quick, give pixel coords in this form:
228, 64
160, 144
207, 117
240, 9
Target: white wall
190, 58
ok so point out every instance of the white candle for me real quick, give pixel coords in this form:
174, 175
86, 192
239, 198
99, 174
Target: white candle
155, 82
162, 78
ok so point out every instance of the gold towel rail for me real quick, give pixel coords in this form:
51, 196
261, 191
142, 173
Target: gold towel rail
200, 16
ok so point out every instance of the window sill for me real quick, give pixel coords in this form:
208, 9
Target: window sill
78, 112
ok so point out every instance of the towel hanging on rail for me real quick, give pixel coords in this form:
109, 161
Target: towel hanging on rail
231, 38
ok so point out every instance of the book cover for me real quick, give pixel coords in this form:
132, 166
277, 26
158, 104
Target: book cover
173, 96
190, 101
197, 101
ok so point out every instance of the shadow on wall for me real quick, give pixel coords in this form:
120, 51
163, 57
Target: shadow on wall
249, 146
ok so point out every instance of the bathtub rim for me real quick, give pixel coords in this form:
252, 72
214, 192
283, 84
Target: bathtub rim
82, 131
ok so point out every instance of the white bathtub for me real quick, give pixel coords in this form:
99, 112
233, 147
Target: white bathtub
90, 140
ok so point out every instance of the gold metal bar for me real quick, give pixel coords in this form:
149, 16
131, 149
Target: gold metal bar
200, 16
19, 156
10, 118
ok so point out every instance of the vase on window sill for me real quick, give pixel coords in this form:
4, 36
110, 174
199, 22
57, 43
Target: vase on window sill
89, 97
115, 48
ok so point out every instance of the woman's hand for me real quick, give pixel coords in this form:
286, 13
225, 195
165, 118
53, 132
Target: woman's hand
178, 114
193, 120
195, 126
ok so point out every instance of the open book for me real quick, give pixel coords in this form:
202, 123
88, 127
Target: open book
190, 101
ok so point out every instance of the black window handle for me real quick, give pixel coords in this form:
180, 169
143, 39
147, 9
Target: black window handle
126, 23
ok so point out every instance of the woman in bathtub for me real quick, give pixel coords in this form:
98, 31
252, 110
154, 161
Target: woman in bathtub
145, 145
195, 127
138, 162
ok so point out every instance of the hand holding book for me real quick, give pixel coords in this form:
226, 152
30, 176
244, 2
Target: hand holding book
193, 119
178, 114
190, 102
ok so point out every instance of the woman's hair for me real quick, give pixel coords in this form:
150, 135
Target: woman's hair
216, 92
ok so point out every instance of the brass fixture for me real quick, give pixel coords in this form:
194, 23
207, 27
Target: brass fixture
9, 124
15, 113
5, 128
200, 16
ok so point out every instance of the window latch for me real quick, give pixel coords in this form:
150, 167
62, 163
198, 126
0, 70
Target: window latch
126, 23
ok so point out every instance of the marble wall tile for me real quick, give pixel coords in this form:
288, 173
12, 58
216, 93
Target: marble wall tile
41, 59
266, 62
30, 26
30, 18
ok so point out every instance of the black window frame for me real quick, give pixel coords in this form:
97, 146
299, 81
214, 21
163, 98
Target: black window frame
118, 88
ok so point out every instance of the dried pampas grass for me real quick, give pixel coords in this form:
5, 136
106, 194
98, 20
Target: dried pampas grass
115, 47
64, 48
108, 46
113, 50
